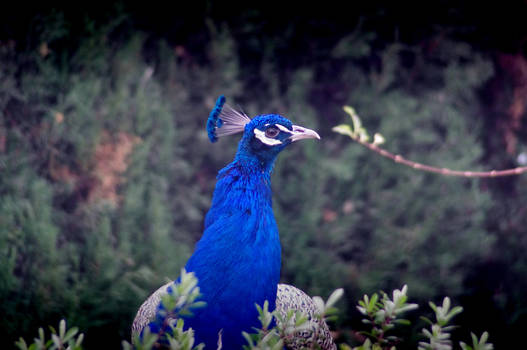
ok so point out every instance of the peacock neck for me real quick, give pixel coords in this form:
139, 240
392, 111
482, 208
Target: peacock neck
243, 189
237, 260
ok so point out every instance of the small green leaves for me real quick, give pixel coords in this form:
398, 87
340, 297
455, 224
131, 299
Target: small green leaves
368, 306
147, 341
294, 321
356, 131
480, 344
290, 328
443, 313
264, 341
182, 340
399, 302
438, 339
326, 309
177, 339
357, 124
265, 338
182, 297
64, 339
21, 344
438, 336
264, 315
383, 315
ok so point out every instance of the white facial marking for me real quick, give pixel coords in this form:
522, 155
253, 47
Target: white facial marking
260, 135
283, 128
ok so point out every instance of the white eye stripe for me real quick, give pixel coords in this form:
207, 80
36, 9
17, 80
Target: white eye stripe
283, 128
260, 135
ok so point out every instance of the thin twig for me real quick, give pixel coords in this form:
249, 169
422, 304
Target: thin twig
443, 171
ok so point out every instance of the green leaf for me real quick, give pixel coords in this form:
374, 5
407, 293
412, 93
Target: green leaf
70, 333
300, 319
56, 341
455, 311
363, 134
80, 338
21, 344
426, 319
378, 139
248, 338
126, 345
62, 328
334, 297
372, 305
279, 345
344, 129
319, 303
402, 322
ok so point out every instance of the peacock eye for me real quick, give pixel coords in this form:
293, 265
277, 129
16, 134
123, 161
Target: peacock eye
272, 132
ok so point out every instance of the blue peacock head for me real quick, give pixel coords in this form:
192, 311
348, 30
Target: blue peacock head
264, 136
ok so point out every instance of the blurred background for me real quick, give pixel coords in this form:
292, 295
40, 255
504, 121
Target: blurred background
106, 171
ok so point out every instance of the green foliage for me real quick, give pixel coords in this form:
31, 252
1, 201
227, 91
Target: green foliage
384, 316
409, 226
175, 339
265, 338
438, 336
179, 301
478, 344
64, 339
87, 192
356, 130
381, 315
183, 296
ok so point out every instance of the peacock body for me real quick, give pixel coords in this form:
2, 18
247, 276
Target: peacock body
237, 260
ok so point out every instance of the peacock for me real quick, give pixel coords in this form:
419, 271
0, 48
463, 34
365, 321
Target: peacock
238, 258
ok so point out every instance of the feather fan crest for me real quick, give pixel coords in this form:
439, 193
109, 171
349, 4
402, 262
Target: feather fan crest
225, 120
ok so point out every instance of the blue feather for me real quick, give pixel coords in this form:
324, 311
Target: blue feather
212, 121
224, 120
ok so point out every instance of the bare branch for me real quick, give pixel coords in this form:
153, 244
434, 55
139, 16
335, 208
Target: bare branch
443, 171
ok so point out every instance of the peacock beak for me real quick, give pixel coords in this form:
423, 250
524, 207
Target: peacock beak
299, 133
